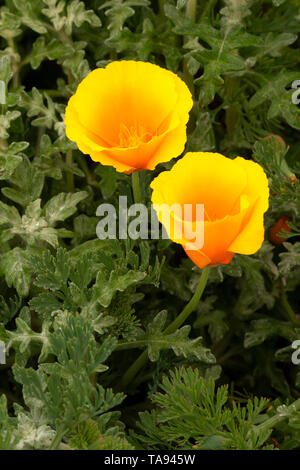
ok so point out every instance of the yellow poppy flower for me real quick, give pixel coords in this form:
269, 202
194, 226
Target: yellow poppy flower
129, 115
235, 196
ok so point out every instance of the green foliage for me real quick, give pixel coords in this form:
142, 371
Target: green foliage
157, 341
87, 436
62, 393
8, 439
193, 414
76, 311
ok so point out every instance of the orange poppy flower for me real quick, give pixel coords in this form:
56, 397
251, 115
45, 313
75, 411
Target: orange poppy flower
235, 195
129, 115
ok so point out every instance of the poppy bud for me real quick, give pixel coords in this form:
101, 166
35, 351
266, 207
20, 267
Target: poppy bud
278, 228
278, 138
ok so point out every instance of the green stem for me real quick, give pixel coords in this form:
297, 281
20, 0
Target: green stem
161, 7
191, 9
82, 163
189, 308
40, 132
208, 11
136, 188
191, 14
134, 369
70, 176
15, 65
57, 440
271, 422
231, 116
289, 310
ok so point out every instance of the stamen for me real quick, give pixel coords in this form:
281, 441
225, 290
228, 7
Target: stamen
131, 137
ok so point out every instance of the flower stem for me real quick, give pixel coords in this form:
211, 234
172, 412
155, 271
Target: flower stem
82, 163
189, 308
191, 9
136, 188
231, 115
289, 310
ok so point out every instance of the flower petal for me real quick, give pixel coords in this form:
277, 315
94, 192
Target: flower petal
250, 239
198, 178
126, 92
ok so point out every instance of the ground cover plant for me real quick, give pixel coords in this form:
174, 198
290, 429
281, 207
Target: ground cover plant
115, 344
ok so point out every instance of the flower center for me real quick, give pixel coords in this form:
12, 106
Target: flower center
133, 135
